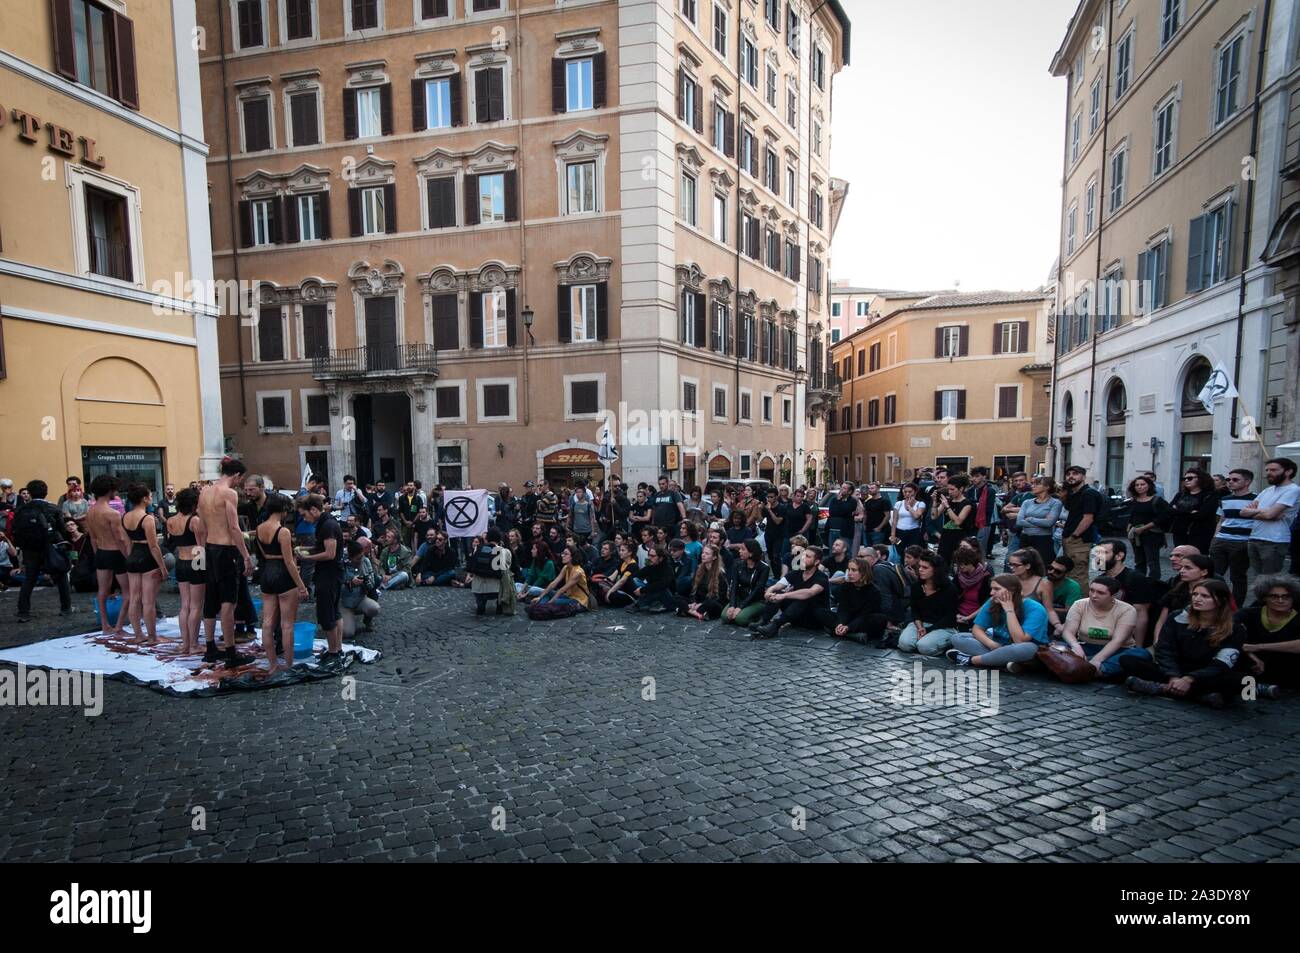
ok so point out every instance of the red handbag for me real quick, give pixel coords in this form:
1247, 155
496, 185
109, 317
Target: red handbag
1059, 659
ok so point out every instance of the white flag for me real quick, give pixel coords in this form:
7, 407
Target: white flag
1218, 387
466, 512
306, 475
607, 451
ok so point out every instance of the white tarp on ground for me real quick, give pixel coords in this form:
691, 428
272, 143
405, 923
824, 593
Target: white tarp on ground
163, 668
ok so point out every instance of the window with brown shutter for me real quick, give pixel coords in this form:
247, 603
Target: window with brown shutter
446, 324
95, 46
257, 124
248, 14
496, 400
584, 397
390, 208
447, 402
365, 14
349, 114
274, 413
386, 109
124, 49
559, 87
441, 194
489, 94
511, 182
1008, 398
304, 119
108, 234
297, 15
598, 85
270, 334
315, 330
318, 410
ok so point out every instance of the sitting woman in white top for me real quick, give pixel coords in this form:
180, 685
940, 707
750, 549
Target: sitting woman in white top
1100, 628
1007, 631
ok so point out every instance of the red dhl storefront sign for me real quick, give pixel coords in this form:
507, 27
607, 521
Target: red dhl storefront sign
571, 458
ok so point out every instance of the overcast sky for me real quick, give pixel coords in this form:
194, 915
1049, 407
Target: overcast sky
951, 132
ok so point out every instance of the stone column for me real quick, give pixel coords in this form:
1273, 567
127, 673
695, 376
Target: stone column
343, 433
424, 447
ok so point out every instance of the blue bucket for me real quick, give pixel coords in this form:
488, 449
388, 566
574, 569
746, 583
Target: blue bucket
304, 639
114, 606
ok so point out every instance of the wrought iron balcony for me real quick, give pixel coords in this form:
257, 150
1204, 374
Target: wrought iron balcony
384, 360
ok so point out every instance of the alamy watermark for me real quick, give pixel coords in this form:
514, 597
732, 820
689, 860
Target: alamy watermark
975, 688
39, 687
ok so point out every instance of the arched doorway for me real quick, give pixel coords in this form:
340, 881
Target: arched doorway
719, 467
767, 469
1196, 424
121, 423
1067, 429
1116, 423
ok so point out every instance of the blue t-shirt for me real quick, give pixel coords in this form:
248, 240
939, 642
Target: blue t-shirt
1034, 623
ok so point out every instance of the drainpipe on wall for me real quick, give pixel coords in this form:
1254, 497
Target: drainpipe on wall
230, 201
1250, 215
1101, 225
740, 89
521, 299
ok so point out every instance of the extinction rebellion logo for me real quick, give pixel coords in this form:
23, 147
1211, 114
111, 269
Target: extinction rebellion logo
77, 907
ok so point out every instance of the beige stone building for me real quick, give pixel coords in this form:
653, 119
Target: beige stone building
477, 232
854, 307
107, 326
1174, 132
954, 380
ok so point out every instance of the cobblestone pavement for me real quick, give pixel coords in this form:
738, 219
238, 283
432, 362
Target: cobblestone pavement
544, 728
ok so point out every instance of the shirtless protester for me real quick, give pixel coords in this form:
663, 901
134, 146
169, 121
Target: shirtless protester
226, 557
109, 538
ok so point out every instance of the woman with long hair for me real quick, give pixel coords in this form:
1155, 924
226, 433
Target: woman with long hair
1192, 569
1037, 517
907, 522
856, 614
1197, 654
282, 585
749, 579
1007, 632
739, 530
933, 607
1027, 566
1195, 510
539, 574
144, 564
708, 588
619, 591
569, 587
186, 537
1148, 514
956, 516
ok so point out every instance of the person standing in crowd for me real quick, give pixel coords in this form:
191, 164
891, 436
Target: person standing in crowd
382, 496
1083, 505
800, 519
282, 585
528, 508
352, 499
933, 609
773, 516
842, 512
82, 554
1100, 628
1230, 548
408, 506
983, 495
1148, 517
144, 564
876, 518
111, 546
1035, 517
1272, 632
167, 507
1197, 653
328, 553
1196, 508
1273, 512
582, 516
749, 580
1020, 493
795, 599
1007, 631
74, 505
669, 507
906, 520
956, 511
186, 538
938, 491
37, 529
227, 559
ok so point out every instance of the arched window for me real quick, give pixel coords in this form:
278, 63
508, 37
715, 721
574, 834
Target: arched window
1198, 372
1067, 413
1116, 403
1196, 439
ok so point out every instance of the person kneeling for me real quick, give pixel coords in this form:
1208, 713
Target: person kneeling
795, 599
360, 585
1196, 653
1007, 631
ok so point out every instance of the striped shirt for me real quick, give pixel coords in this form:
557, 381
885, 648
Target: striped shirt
1233, 525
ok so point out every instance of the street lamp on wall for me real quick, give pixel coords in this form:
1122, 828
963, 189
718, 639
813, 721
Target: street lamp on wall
528, 323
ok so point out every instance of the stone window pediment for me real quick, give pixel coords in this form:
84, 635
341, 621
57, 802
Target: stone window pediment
490, 157
721, 87
444, 279
584, 266
438, 162
317, 289
581, 42
493, 275
688, 57
488, 54
307, 178
436, 63
260, 184
722, 179
367, 73
300, 80
373, 170
690, 157
720, 288
690, 276
372, 281
748, 200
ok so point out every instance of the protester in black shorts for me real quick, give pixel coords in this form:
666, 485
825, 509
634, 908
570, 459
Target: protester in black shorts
329, 572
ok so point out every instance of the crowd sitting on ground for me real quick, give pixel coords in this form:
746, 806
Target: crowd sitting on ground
913, 575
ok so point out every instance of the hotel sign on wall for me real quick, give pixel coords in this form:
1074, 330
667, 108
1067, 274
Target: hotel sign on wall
58, 139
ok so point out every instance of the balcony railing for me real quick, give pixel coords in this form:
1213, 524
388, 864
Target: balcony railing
390, 360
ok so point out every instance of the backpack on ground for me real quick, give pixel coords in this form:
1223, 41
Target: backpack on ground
31, 527
547, 611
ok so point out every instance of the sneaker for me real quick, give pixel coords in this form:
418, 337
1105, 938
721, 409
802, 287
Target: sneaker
72, 610
1271, 692
1141, 686
957, 657
1212, 700
1015, 668
213, 654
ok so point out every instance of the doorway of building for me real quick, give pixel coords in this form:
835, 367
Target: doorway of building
383, 438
